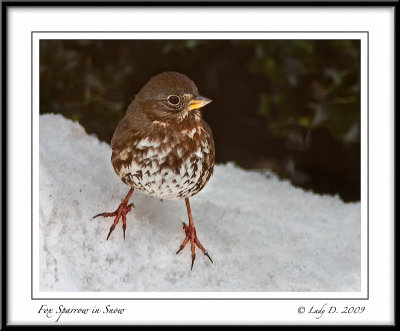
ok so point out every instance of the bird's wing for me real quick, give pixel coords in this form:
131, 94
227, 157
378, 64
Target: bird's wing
123, 145
210, 139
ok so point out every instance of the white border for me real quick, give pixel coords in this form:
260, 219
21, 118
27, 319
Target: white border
380, 24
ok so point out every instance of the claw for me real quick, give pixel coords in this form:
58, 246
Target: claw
180, 248
124, 228
193, 257
206, 254
124, 223
111, 230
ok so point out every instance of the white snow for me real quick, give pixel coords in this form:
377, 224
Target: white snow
262, 233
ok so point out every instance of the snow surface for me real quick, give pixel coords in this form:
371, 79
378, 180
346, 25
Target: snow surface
262, 233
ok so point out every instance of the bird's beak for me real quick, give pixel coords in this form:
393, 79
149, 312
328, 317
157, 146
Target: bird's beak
197, 102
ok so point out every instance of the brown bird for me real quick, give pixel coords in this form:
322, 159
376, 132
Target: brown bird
163, 147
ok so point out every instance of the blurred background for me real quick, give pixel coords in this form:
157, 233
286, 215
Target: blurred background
291, 106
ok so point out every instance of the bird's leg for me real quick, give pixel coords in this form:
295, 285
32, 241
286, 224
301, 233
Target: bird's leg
191, 236
121, 212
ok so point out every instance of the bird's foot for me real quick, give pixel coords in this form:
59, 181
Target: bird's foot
121, 212
191, 236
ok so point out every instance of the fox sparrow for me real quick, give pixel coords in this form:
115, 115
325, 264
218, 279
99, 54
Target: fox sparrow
163, 148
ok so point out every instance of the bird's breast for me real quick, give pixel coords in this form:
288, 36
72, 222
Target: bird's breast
167, 165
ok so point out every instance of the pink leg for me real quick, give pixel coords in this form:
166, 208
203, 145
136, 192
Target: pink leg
190, 232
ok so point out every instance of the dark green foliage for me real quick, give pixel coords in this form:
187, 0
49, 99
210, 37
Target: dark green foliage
311, 83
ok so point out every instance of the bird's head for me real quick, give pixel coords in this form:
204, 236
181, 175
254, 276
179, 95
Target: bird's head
171, 97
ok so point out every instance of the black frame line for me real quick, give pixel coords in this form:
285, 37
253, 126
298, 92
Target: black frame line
221, 32
206, 3
4, 171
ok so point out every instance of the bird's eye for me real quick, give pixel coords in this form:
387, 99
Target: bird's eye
173, 99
